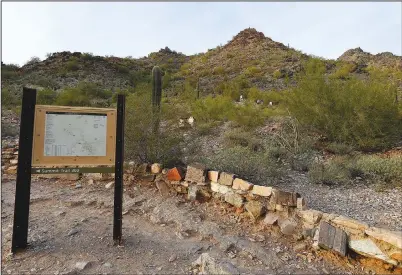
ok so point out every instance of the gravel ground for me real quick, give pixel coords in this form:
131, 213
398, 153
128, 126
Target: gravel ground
358, 201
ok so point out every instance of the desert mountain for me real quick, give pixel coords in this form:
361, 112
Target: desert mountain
265, 63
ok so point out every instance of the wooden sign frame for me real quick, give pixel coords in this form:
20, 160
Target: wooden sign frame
40, 160
34, 116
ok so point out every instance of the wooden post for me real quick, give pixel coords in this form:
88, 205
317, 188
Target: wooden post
23, 181
119, 160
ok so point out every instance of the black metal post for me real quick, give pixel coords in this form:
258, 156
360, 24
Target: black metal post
118, 178
23, 182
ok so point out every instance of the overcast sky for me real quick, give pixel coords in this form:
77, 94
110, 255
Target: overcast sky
137, 29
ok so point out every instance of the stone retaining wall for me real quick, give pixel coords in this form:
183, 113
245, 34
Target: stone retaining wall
274, 207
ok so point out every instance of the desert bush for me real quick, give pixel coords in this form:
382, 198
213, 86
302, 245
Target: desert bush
239, 137
277, 74
355, 112
252, 71
9, 130
72, 64
331, 173
123, 69
46, 97
339, 148
8, 98
218, 70
142, 144
248, 115
386, 169
206, 128
344, 70
256, 167
84, 94
210, 108
33, 60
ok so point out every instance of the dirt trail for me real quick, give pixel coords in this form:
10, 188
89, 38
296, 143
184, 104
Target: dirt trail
162, 235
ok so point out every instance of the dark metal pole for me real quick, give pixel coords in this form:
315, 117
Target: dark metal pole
118, 178
23, 182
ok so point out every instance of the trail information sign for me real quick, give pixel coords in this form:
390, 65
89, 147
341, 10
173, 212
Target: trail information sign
61, 139
74, 136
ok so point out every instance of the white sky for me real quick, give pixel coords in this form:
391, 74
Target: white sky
137, 29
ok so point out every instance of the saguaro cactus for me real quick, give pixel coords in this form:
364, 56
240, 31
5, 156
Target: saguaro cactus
156, 96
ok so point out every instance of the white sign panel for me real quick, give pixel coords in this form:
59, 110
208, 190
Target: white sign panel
73, 134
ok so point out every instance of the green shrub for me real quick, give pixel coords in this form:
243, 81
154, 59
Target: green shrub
9, 99
46, 97
239, 137
344, 70
212, 109
141, 143
339, 148
84, 94
355, 112
331, 173
218, 70
248, 115
206, 128
252, 71
123, 69
387, 169
277, 74
72, 64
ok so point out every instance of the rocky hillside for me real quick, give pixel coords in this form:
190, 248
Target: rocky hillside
266, 64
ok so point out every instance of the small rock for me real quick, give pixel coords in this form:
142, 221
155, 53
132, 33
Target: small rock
234, 199
82, 265
300, 247
90, 181
72, 232
163, 188
107, 265
175, 174
109, 185
255, 208
156, 168
287, 227
271, 218
172, 258
78, 185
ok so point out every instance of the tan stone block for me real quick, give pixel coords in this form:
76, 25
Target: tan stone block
219, 188
195, 173
213, 176
239, 184
234, 199
226, 179
350, 223
263, 191
310, 216
301, 204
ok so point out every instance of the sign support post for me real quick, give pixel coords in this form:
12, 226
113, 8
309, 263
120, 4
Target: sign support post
119, 160
23, 181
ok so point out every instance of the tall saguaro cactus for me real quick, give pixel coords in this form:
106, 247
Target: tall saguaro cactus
156, 96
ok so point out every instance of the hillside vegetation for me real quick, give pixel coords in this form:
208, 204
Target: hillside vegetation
329, 118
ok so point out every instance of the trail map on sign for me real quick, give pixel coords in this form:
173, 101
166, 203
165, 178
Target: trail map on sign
73, 134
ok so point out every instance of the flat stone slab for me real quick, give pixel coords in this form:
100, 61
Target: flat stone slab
368, 248
332, 238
